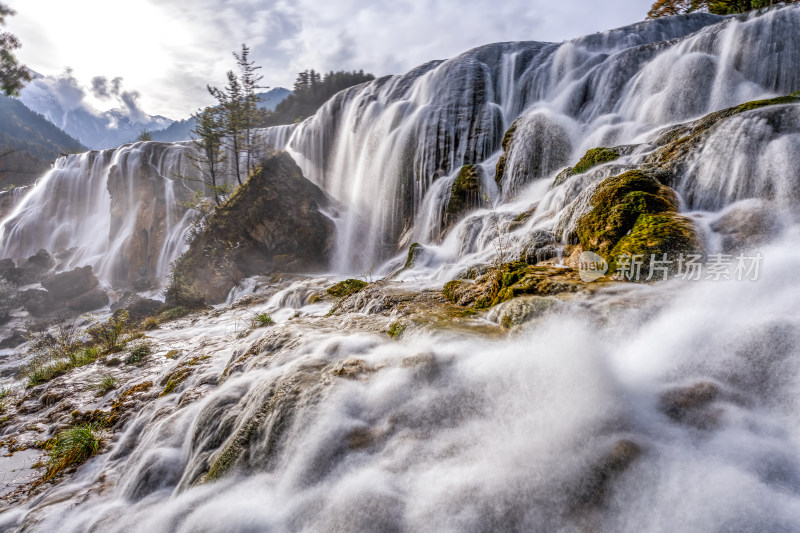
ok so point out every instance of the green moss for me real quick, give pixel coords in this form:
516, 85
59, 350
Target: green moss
346, 287
396, 329
616, 205
177, 376
594, 157
793, 98
634, 214
449, 289
664, 233
413, 252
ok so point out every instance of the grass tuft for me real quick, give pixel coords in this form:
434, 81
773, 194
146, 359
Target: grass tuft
71, 448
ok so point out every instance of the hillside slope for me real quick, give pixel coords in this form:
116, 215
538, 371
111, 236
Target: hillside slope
31, 143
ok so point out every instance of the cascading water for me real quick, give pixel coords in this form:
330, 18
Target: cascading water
663, 407
379, 147
116, 210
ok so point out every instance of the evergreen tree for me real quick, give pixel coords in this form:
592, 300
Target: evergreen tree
12, 75
231, 102
662, 8
250, 80
207, 137
310, 91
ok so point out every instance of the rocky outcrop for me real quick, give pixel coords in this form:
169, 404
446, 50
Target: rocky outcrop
466, 194
591, 159
534, 146
138, 266
272, 223
70, 284
634, 214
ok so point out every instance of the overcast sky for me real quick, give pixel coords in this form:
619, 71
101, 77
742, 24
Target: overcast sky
168, 50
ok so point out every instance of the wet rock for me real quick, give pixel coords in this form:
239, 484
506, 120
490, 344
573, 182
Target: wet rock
539, 245
466, 194
524, 309
37, 302
16, 338
88, 301
746, 224
608, 467
67, 285
136, 306
35, 267
274, 219
691, 405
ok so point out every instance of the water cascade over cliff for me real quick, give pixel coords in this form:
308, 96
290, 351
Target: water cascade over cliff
393, 405
117, 210
390, 149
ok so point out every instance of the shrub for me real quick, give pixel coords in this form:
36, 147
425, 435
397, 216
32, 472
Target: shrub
173, 313
108, 335
261, 320
180, 292
71, 447
5, 397
149, 323
137, 353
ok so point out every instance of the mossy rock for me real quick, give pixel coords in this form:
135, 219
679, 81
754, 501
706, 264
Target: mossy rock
346, 288
591, 159
413, 253
616, 205
634, 214
793, 98
465, 195
510, 280
659, 234
595, 157
508, 138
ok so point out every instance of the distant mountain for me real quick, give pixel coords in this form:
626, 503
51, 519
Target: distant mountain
30, 143
273, 97
61, 101
181, 130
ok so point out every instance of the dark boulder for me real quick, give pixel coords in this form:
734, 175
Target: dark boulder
272, 223
6, 266
136, 306
35, 267
88, 301
36, 301
67, 285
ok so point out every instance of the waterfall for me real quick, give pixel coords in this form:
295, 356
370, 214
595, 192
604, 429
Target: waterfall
378, 148
117, 210
669, 406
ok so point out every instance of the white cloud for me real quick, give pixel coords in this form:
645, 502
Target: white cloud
168, 52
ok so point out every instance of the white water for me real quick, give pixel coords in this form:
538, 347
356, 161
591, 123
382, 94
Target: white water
96, 204
379, 148
506, 434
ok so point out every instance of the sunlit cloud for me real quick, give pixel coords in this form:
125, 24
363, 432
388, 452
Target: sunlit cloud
168, 52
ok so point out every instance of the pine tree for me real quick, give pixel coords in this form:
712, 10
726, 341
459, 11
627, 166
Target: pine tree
231, 102
207, 137
12, 75
250, 80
